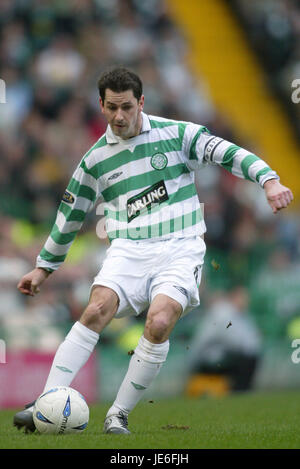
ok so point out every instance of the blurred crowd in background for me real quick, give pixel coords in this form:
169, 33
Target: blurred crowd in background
51, 55
273, 27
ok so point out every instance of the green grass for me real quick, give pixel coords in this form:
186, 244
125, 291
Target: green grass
253, 420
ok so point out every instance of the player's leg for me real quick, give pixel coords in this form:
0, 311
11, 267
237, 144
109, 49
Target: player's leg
149, 356
162, 316
78, 345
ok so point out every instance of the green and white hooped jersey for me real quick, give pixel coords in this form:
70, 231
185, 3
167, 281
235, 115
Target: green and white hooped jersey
146, 184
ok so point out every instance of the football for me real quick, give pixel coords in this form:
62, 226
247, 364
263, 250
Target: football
60, 410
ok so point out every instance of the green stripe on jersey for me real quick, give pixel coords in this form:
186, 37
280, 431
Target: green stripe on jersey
141, 151
62, 238
47, 256
143, 181
193, 155
71, 214
184, 193
262, 172
100, 143
246, 163
228, 157
157, 124
80, 190
159, 229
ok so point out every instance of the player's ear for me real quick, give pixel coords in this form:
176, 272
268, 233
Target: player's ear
101, 104
142, 102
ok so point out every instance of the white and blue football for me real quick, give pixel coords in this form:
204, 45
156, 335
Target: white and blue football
60, 410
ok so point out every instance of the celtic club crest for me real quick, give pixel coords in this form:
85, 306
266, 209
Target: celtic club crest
159, 161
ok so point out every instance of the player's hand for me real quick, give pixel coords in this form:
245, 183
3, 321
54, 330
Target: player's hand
30, 283
278, 196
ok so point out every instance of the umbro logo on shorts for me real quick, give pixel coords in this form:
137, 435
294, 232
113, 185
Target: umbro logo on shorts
156, 194
182, 290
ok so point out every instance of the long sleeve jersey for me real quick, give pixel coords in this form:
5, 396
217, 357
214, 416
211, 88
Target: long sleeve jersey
146, 184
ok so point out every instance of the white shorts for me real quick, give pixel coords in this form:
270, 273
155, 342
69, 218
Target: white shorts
139, 270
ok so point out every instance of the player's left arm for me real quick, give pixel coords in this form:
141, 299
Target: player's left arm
209, 149
278, 196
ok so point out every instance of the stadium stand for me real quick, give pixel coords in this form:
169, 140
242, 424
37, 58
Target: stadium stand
273, 29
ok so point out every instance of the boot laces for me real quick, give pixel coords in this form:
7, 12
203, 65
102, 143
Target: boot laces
123, 418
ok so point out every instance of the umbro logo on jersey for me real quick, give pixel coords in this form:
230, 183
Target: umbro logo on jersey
156, 194
114, 176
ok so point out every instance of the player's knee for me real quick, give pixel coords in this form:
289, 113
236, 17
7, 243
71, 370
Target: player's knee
158, 328
97, 314
93, 310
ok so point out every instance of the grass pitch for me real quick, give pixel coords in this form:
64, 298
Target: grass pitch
262, 420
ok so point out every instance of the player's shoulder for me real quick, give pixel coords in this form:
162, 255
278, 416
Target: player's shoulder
98, 145
163, 122
93, 155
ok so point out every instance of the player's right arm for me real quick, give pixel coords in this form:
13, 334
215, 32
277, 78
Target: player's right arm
30, 283
79, 199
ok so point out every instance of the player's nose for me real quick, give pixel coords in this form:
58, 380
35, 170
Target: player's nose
119, 116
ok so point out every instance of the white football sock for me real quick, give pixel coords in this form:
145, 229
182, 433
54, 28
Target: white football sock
71, 355
144, 366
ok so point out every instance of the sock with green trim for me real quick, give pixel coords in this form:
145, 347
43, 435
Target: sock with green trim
143, 368
71, 355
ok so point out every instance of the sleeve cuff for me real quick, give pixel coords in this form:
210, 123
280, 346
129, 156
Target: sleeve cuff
267, 177
49, 266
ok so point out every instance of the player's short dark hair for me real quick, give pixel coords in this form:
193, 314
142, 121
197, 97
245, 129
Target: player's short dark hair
120, 79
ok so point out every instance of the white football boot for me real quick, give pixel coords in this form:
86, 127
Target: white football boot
116, 423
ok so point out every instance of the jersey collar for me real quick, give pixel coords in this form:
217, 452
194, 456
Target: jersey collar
111, 137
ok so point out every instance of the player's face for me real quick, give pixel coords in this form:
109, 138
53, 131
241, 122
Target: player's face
123, 112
